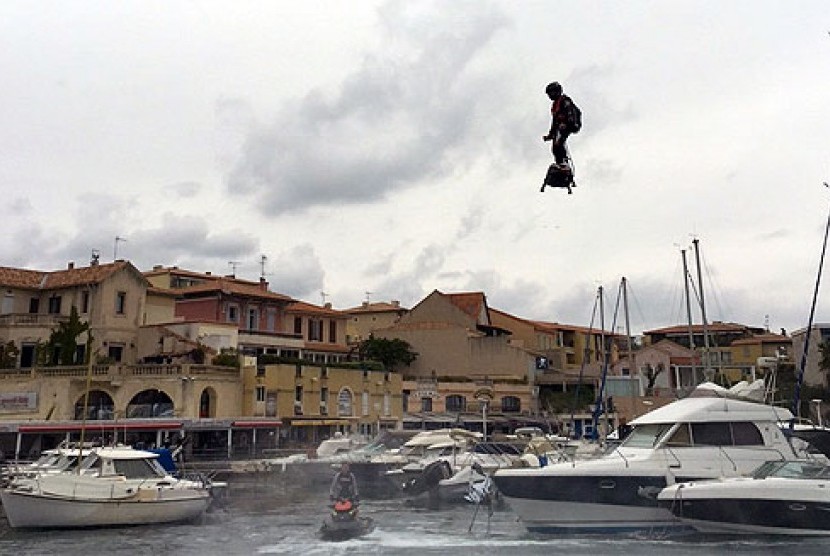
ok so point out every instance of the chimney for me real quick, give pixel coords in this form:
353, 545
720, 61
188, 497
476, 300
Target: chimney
71, 265
157, 267
263, 285
365, 303
327, 305
207, 273
396, 303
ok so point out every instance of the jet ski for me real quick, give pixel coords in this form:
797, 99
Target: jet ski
344, 523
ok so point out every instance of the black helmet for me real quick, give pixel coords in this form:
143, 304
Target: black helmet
553, 89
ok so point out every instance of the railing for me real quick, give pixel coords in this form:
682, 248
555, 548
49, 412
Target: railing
114, 371
31, 319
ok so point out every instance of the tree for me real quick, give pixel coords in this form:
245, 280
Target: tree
390, 353
228, 357
63, 342
651, 377
8, 355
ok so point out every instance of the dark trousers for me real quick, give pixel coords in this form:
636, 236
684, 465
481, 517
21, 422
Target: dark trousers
560, 154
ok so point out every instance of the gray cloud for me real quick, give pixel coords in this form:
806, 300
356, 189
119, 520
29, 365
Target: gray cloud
297, 272
185, 189
400, 118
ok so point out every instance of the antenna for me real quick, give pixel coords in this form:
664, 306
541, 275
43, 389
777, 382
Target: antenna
233, 265
368, 294
96, 255
324, 295
115, 247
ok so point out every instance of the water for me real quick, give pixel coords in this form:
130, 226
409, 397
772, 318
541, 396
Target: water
264, 518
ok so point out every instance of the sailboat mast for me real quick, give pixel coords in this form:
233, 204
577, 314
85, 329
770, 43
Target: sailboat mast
689, 311
707, 361
803, 364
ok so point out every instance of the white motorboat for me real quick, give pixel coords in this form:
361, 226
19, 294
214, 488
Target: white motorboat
690, 439
114, 486
781, 498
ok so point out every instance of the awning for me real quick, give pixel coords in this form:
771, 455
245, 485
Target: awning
102, 426
318, 422
257, 424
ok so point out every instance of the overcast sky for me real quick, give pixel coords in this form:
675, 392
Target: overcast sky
394, 147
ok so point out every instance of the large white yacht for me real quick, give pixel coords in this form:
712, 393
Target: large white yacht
690, 439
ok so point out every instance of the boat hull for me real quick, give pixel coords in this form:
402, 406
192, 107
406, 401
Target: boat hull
769, 506
33, 510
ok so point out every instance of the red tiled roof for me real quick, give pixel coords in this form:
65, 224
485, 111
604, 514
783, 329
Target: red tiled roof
379, 307
33, 279
711, 327
762, 338
233, 286
471, 303
303, 307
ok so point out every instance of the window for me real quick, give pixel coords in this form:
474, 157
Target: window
387, 404
8, 303
84, 302
333, 331
315, 330
456, 403
253, 319
324, 401
426, 405
115, 352
364, 405
711, 434
233, 313
260, 370
34, 305
511, 404
271, 320
260, 393
55, 305
681, 437
746, 434
344, 403
298, 325
120, 303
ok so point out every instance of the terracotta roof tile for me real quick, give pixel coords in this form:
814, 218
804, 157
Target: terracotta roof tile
32, 279
471, 302
303, 307
379, 307
233, 286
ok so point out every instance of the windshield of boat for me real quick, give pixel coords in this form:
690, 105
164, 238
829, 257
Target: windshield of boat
792, 470
647, 436
138, 468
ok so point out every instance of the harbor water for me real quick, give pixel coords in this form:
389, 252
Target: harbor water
262, 517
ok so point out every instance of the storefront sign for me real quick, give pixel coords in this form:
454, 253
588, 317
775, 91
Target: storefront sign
18, 401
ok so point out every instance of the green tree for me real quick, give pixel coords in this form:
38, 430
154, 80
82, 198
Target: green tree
390, 353
8, 355
64, 339
228, 357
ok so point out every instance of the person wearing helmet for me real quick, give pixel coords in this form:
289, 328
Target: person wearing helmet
560, 129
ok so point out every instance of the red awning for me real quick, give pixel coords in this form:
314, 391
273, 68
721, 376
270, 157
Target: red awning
102, 426
256, 424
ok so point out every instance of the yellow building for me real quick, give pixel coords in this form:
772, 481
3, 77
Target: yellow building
314, 401
368, 317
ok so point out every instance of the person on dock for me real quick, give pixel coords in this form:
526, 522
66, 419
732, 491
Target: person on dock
344, 485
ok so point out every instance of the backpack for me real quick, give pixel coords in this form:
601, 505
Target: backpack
574, 118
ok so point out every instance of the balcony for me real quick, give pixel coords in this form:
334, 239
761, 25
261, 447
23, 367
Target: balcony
31, 320
112, 372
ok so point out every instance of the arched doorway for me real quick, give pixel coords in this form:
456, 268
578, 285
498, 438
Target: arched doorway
207, 403
150, 403
99, 406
